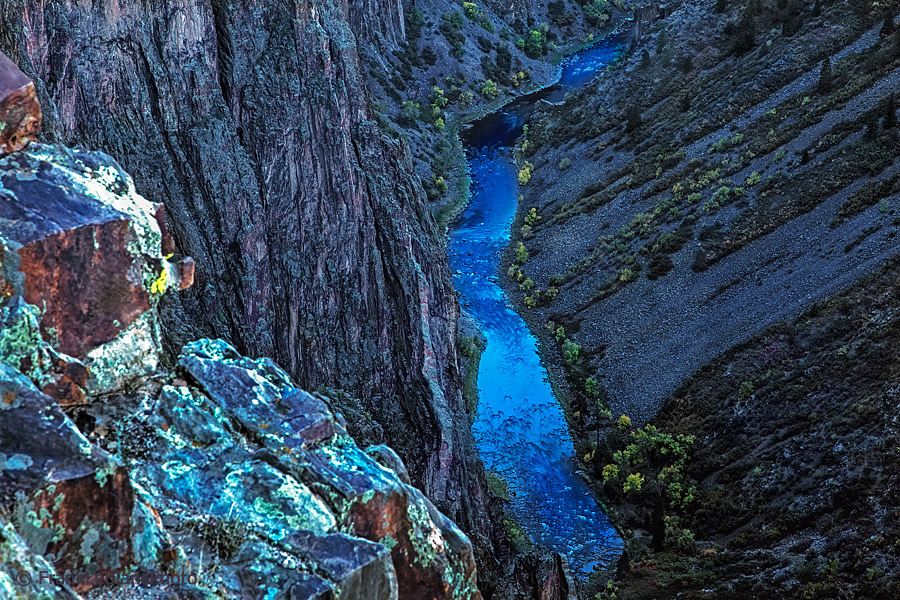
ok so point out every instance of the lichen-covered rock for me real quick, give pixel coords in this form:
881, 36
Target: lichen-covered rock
20, 112
21, 569
61, 491
61, 377
251, 122
87, 244
237, 441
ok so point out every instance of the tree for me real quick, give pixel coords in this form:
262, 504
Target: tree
597, 12
826, 78
409, 113
534, 44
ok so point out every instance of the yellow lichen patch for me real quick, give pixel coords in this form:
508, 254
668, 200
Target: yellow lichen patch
159, 286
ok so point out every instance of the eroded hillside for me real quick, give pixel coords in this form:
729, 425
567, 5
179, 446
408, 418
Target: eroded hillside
737, 166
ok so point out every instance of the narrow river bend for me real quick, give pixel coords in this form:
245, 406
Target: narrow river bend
520, 428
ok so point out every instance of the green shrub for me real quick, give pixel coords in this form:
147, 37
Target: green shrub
521, 253
565, 164
525, 173
660, 265
489, 89
633, 483
497, 485
596, 12
570, 352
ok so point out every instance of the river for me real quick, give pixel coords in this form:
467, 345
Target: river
520, 429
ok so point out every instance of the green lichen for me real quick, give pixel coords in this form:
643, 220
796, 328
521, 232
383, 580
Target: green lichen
426, 540
104, 473
388, 542
16, 462
20, 336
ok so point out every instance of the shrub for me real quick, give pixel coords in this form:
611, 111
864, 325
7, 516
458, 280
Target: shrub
565, 164
623, 423
627, 275
409, 112
415, 20
570, 352
535, 42
722, 195
489, 89
521, 253
660, 265
596, 12
451, 23
610, 472
497, 485
592, 387
633, 483
525, 173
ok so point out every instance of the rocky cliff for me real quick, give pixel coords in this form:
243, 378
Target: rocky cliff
250, 122
219, 469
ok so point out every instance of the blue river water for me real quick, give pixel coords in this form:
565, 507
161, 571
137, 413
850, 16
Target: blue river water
520, 428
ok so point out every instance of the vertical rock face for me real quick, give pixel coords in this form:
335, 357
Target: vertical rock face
249, 121
381, 22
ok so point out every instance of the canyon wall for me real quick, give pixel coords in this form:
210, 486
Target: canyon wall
250, 122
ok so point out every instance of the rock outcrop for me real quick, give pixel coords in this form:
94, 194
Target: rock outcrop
20, 112
220, 468
250, 122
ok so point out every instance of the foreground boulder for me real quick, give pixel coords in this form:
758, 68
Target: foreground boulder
234, 440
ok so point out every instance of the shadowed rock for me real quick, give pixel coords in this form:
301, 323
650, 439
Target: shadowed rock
62, 492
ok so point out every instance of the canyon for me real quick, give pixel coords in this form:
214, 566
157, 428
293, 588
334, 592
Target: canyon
252, 254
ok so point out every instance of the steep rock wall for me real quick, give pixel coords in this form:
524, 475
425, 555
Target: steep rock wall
250, 122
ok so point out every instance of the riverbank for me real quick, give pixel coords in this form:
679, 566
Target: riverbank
446, 212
